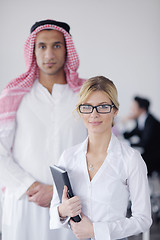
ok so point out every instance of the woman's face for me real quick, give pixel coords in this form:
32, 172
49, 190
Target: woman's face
96, 122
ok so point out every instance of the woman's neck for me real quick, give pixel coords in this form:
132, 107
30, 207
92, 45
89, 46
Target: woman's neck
99, 143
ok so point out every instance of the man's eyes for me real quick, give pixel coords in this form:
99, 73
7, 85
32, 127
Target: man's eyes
57, 46
54, 46
42, 46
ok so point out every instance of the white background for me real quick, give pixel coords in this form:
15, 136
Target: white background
116, 38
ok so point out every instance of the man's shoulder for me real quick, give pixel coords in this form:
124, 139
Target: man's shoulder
152, 119
70, 91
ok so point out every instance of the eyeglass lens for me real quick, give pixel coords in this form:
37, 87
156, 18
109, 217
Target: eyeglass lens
100, 108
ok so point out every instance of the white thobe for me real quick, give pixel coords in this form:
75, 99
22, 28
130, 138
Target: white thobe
104, 199
45, 126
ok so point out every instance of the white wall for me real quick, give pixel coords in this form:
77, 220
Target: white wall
116, 38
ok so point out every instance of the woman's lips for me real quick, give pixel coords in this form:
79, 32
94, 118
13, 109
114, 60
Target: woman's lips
95, 123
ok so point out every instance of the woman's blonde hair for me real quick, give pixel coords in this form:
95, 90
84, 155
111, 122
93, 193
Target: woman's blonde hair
98, 83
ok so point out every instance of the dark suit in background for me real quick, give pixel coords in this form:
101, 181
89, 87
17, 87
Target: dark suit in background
150, 142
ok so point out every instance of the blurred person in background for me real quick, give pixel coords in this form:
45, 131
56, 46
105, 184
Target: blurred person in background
148, 131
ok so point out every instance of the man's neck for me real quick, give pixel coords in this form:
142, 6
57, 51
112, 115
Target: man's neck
49, 80
142, 119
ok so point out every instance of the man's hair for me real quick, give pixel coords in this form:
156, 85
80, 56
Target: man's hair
63, 25
142, 103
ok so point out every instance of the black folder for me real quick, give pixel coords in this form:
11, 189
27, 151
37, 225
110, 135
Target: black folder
61, 178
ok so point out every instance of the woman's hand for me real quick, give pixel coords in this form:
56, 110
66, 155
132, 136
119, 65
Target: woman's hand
82, 229
69, 207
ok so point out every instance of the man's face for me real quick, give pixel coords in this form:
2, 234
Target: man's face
50, 52
136, 111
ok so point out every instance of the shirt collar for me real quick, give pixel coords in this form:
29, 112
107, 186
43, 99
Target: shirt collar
141, 120
57, 90
83, 147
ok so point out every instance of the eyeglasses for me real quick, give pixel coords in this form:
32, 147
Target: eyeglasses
103, 108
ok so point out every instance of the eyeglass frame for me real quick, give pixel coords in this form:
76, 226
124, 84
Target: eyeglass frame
111, 106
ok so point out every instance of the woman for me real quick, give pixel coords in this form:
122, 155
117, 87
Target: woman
104, 173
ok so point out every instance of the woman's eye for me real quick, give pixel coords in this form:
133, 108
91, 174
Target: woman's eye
104, 106
86, 107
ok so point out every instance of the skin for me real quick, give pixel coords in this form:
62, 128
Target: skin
135, 112
99, 132
40, 194
50, 55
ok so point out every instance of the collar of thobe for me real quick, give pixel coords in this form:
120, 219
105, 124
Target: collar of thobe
57, 90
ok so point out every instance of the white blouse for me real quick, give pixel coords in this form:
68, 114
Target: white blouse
122, 176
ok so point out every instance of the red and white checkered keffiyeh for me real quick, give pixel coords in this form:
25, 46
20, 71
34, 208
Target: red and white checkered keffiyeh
15, 90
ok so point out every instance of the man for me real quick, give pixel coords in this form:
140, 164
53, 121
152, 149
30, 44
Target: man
148, 130
34, 130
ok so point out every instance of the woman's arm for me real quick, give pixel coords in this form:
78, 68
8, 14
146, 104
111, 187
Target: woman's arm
60, 213
140, 221
83, 229
69, 207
